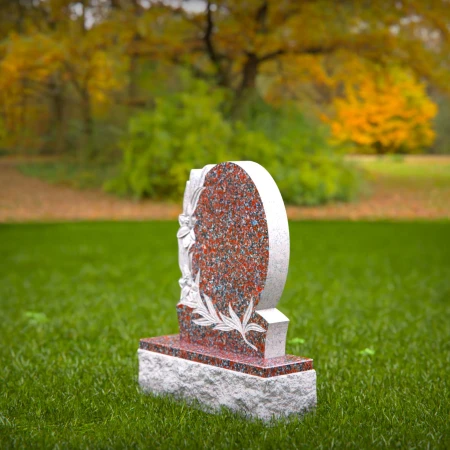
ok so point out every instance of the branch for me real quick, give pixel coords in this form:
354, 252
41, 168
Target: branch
208, 36
271, 55
307, 51
211, 51
261, 15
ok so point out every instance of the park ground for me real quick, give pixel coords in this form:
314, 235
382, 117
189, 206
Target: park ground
413, 187
368, 301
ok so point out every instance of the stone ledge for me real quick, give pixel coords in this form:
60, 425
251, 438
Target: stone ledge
215, 387
171, 345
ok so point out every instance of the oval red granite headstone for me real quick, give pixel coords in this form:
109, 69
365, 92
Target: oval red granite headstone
226, 236
233, 252
232, 240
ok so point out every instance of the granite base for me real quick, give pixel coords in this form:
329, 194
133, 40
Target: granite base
215, 387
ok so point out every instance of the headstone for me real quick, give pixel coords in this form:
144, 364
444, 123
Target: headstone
233, 251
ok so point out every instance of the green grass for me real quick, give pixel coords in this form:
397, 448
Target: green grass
370, 302
409, 170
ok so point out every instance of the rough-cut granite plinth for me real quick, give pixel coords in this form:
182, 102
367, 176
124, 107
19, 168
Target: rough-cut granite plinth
214, 387
233, 253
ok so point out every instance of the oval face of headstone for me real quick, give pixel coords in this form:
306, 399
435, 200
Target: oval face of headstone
238, 249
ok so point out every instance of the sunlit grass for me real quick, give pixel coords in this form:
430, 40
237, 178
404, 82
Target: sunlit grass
370, 302
409, 169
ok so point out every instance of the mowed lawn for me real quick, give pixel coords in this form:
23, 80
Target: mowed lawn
425, 177
370, 300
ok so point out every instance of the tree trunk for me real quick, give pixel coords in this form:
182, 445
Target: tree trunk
88, 146
249, 73
59, 114
246, 91
133, 75
132, 79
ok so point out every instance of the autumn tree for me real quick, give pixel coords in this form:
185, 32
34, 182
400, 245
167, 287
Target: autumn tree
385, 113
57, 55
234, 41
27, 65
66, 60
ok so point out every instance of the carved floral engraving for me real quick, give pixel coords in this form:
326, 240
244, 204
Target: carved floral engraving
190, 290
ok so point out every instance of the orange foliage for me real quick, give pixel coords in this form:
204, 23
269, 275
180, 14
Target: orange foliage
385, 113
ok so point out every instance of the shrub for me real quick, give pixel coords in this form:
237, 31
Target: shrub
188, 130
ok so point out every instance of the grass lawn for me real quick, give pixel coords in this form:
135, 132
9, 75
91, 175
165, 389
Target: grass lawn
409, 170
371, 301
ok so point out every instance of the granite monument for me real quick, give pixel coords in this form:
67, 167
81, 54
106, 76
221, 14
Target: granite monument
233, 252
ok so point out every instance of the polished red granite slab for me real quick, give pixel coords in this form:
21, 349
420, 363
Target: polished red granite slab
231, 251
265, 368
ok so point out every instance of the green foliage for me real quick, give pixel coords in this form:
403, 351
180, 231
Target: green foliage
310, 170
70, 381
188, 130
184, 131
316, 179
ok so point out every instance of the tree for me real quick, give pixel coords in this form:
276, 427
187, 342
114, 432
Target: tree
56, 52
385, 113
64, 61
238, 40
25, 69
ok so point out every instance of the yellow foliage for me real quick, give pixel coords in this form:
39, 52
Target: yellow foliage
385, 113
31, 62
27, 63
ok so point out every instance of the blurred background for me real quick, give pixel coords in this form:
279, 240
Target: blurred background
105, 105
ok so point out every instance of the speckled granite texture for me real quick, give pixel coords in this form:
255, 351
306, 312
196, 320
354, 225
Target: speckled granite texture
231, 252
238, 249
214, 387
266, 368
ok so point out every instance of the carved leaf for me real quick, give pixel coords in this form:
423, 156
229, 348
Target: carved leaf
247, 314
228, 321
187, 302
203, 322
187, 241
196, 198
186, 272
200, 309
192, 239
235, 319
223, 327
254, 327
183, 219
211, 308
182, 232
